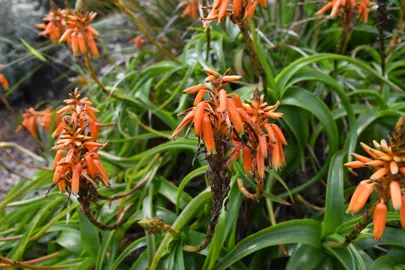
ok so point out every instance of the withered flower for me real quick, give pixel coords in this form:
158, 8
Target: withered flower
388, 165
79, 34
34, 119
77, 164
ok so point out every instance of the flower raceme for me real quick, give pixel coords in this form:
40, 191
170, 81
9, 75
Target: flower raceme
245, 125
240, 10
54, 24
191, 9
215, 116
347, 6
389, 168
77, 164
32, 119
79, 34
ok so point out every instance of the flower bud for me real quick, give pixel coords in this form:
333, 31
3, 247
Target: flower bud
379, 218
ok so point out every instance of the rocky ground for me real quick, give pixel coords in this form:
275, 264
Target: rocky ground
7, 165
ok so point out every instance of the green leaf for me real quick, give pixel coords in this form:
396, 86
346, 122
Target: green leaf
334, 205
303, 231
307, 255
89, 236
71, 240
186, 215
33, 51
139, 243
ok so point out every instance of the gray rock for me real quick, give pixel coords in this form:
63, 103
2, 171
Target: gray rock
18, 19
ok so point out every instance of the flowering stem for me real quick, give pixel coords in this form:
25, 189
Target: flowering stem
8, 263
85, 204
144, 31
367, 218
381, 21
218, 176
259, 189
244, 29
396, 37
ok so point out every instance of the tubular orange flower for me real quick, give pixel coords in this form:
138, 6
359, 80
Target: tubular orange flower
4, 82
208, 135
402, 213
395, 191
365, 193
379, 218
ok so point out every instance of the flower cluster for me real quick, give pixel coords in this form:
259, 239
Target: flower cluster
54, 24
389, 168
241, 9
191, 8
79, 34
139, 42
347, 6
32, 119
77, 164
244, 125
214, 116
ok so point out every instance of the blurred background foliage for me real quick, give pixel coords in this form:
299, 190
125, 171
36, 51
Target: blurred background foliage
330, 103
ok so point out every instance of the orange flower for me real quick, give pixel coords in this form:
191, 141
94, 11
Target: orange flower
220, 9
4, 82
362, 10
77, 164
212, 117
388, 165
79, 34
402, 213
138, 41
191, 8
33, 119
54, 24
360, 196
379, 218
336, 6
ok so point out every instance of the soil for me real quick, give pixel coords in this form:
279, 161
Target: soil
7, 165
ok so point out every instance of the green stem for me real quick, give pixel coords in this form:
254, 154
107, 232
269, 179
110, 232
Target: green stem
144, 31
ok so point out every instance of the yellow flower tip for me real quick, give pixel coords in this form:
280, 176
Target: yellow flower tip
355, 164
194, 89
394, 167
222, 101
231, 78
379, 219
395, 191
380, 173
385, 158
375, 163
361, 158
397, 158
376, 144
211, 72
